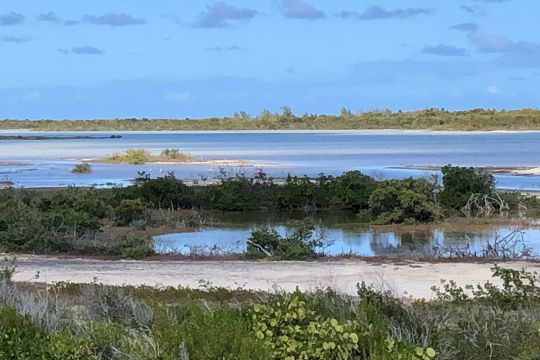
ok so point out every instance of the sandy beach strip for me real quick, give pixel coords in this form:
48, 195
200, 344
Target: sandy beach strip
405, 278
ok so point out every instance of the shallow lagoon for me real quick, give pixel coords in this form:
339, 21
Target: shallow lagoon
357, 241
47, 163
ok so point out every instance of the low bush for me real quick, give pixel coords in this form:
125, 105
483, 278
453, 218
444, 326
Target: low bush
129, 211
406, 201
83, 168
130, 156
300, 245
135, 247
459, 183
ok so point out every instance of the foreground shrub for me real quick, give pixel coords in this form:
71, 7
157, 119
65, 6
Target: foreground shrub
293, 331
21, 340
201, 333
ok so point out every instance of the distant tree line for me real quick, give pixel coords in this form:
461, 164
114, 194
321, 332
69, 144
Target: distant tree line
433, 119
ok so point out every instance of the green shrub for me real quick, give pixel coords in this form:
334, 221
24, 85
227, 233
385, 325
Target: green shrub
22, 340
7, 270
129, 211
293, 331
300, 245
130, 156
83, 168
459, 183
405, 201
222, 333
135, 247
174, 154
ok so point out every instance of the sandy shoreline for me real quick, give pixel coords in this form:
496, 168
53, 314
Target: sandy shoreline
215, 162
506, 170
406, 278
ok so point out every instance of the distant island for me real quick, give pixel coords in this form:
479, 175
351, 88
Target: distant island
429, 119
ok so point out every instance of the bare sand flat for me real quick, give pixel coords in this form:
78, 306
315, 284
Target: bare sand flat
404, 279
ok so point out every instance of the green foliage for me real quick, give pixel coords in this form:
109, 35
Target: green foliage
407, 201
459, 183
293, 331
22, 340
221, 333
129, 211
435, 119
7, 270
300, 245
174, 155
83, 168
519, 288
133, 247
130, 156
165, 192
72, 219
142, 156
487, 322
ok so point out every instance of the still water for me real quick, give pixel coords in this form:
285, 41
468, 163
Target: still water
47, 163
357, 241
342, 234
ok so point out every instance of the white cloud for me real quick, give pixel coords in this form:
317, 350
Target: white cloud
493, 89
174, 96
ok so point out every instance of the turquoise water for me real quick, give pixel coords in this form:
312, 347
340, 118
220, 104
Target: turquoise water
48, 163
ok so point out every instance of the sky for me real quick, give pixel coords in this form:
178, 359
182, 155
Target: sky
63, 59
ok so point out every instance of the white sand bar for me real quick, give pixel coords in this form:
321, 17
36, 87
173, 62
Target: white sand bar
404, 278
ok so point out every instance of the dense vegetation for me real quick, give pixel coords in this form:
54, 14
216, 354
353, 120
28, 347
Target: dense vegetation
70, 321
434, 119
73, 220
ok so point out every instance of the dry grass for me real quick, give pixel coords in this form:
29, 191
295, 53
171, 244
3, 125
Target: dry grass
142, 156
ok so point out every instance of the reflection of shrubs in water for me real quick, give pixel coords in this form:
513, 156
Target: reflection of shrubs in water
511, 246
300, 245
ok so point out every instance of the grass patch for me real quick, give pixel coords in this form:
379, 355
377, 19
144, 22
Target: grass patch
142, 156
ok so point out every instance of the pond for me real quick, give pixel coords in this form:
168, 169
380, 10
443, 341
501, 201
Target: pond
351, 239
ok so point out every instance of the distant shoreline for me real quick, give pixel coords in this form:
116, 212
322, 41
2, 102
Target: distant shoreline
387, 131
424, 120
506, 170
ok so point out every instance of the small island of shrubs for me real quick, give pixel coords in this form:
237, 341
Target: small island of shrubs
142, 156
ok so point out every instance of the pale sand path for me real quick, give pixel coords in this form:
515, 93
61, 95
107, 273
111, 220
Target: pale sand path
405, 279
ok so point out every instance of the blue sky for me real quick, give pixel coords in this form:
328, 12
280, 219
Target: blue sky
172, 58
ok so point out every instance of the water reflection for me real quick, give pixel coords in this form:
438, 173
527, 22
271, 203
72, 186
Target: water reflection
359, 241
